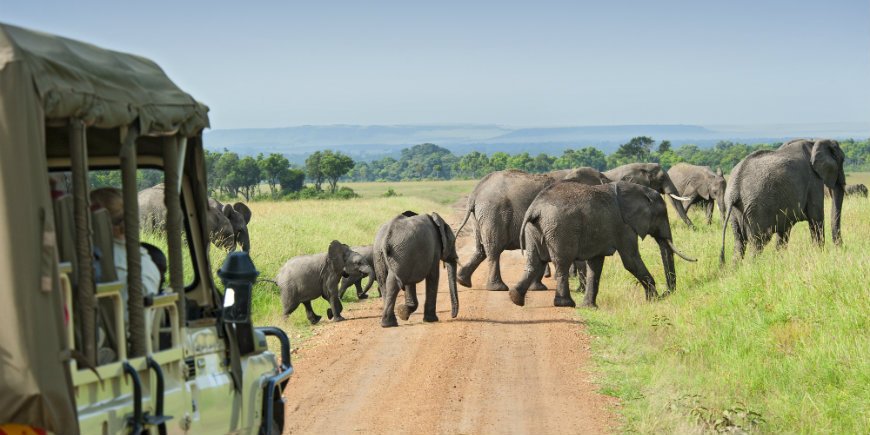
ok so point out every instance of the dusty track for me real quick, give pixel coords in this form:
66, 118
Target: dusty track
495, 369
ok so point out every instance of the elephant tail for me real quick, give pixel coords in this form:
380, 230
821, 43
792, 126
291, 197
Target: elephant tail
469, 209
724, 230
531, 216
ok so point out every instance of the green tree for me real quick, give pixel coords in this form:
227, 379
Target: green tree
636, 150
249, 176
498, 161
473, 165
313, 169
291, 180
664, 146
272, 168
334, 165
226, 171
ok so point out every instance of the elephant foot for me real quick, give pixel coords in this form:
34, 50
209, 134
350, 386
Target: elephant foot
587, 304
560, 301
362, 296
404, 311
537, 286
329, 313
430, 318
496, 287
338, 318
463, 281
390, 322
517, 298
314, 319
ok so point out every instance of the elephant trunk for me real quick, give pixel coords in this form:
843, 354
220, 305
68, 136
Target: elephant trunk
837, 194
454, 295
244, 239
671, 191
665, 247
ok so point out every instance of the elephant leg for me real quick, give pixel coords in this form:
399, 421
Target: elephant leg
581, 268
390, 292
563, 291
429, 314
534, 270
309, 312
782, 237
547, 272
634, 264
760, 240
345, 284
360, 294
708, 208
816, 221
593, 278
740, 238
291, 307
405, 310
334, 311
463, 277
494, 282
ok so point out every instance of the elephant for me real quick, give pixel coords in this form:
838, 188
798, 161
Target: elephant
701, 185
304, 278
771, 190
498, 204
571, 221
228, 225
407, 250
355, 279
651, 175
856, 190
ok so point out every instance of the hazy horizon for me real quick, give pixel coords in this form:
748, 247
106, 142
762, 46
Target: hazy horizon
546, 64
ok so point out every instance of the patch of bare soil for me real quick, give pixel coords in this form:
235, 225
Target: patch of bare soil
496, 369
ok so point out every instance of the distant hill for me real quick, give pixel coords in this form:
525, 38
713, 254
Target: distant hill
368, 142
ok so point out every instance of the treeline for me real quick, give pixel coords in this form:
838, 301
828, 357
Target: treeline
429, 161
230, 175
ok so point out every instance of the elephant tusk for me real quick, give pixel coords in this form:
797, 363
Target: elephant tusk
683, 256
679, 198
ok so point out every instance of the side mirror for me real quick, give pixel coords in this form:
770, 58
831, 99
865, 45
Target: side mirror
238, 275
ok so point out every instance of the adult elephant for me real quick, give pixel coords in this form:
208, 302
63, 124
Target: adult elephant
228, 225
570, 221
651, 175
498, 204
408, 250
769, 191
701, 186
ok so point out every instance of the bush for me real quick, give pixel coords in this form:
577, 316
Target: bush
311, 192
390, 193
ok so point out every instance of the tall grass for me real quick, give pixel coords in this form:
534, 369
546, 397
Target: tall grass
777, 343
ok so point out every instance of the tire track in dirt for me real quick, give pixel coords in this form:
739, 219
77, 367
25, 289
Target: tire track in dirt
497, 368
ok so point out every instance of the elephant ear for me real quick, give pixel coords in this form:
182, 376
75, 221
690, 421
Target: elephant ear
448, 240
827, 161
243, 209
635, 206
335, 256
703, 189
409, 213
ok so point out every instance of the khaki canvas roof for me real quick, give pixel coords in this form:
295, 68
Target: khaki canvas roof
105, 88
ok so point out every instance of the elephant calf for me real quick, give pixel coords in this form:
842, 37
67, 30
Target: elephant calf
407, 251
304, 278
856, 190
571, 221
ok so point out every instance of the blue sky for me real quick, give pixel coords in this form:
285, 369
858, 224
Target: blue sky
542, 63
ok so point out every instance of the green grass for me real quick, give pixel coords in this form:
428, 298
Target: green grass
779, 343
442, 192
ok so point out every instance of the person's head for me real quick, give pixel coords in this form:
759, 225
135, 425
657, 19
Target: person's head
110, 198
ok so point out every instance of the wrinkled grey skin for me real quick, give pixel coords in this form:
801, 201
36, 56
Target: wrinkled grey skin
653, 176
498, 204
769, 191
305, 278
407, 250
570, 221
355, 279
228, 225
701, 185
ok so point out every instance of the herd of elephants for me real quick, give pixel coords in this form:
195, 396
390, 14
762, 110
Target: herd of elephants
570, 218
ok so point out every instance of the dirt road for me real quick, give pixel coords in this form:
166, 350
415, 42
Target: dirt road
495, 369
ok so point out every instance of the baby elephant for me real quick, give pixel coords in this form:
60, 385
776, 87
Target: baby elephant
304, 278
407, 250
856, 190
569, 221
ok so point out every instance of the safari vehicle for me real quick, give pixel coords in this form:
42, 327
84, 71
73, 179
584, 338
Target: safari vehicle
186, 360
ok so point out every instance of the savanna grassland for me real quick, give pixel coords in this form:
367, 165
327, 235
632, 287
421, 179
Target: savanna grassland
777, 343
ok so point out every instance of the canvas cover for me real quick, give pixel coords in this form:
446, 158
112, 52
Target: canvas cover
48, 77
